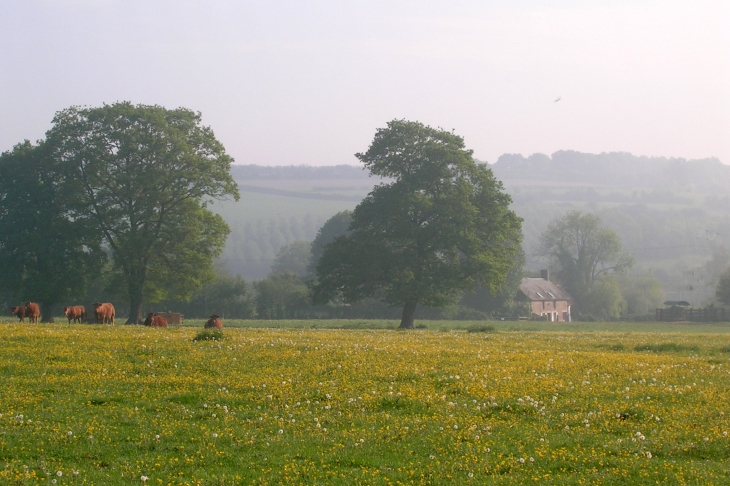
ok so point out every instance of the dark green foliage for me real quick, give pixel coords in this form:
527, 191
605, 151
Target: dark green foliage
226, 296
45, 256
441, 227
502, 302
282, 296
335, 227
143, 177
209, 335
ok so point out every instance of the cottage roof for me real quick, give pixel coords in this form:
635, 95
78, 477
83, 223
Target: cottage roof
540, 289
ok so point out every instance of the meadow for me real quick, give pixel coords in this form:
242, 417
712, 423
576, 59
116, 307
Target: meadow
639, 404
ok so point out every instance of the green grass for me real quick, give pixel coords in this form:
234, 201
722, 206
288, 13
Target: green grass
299, 405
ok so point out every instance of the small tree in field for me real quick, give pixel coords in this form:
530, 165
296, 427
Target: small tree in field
442, 226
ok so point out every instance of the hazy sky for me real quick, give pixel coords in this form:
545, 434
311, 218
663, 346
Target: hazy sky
308, 82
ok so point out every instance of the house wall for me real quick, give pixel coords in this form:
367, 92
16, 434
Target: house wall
555, 310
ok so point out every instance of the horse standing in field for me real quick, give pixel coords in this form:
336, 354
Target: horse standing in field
214, 322
104, 313
19, 311
75, 313
32, 312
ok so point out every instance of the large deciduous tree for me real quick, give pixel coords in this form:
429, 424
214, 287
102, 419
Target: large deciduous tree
45, 256
440, 227
143, 176
582, 254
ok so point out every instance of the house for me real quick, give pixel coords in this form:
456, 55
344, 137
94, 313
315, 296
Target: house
547, 300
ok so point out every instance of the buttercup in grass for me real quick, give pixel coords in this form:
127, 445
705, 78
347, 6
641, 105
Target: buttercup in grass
305, 406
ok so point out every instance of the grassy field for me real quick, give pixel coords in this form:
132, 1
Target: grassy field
609, 404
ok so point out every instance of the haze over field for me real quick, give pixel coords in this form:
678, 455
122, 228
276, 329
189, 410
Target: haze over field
288, 82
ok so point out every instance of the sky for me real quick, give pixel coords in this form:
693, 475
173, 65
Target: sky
309, 82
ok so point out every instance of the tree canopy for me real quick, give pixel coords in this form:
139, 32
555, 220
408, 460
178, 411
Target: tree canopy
45, 256
583, 253
442, 226
142, 176
336, 226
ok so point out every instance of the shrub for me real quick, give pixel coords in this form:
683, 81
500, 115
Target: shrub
209, 335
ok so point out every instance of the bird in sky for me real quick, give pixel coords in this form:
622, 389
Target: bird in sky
556, 99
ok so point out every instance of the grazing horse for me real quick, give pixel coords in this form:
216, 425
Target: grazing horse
104, 313
75, 313
19, 311
32, 312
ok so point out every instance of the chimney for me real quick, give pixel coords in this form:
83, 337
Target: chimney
545, 275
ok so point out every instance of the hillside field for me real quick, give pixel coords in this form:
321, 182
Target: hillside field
90, 404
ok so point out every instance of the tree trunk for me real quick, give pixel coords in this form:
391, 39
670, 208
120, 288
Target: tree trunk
135, 310
135, 300
409, 311
46, 312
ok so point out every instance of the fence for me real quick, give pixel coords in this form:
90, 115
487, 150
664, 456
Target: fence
709, 314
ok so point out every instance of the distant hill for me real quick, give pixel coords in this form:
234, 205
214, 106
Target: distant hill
616, 169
